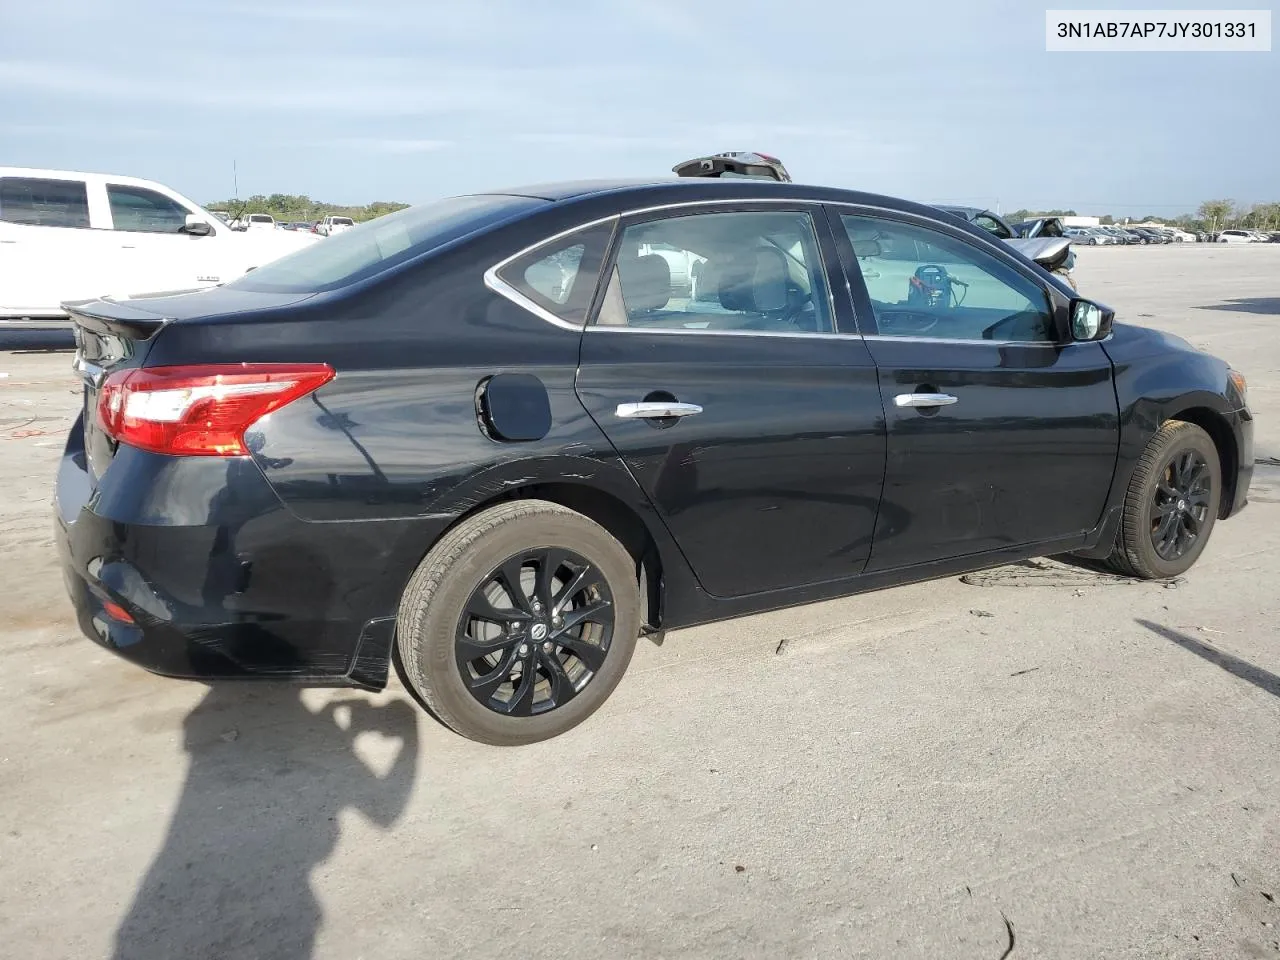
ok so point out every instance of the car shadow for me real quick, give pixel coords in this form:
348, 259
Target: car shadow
1269, 306
1264, 680
266, 784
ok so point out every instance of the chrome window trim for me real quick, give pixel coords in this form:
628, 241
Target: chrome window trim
724, 333
986, 343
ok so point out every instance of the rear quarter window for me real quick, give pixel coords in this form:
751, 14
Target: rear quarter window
375, 246
559, 277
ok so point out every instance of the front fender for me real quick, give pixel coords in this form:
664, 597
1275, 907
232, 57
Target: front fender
1158, 377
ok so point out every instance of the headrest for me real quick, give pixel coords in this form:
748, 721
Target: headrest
646, 282
755, 281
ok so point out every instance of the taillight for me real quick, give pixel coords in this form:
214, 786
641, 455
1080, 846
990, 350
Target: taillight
201, 411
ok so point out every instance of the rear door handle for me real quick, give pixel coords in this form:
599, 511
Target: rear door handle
924, 400
654, 409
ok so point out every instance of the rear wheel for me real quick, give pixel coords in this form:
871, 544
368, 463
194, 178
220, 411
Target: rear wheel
519, 623
1171, 504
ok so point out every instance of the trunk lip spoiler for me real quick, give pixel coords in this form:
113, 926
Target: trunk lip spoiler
113, 317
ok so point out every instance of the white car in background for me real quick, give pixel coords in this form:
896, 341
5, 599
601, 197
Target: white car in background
254, 221
1090, 236
332, 225
68, 236
1236, 236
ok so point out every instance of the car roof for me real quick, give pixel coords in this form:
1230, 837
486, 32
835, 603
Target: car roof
40, 173
667, 190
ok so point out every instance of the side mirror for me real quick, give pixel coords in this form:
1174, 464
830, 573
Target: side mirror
1090, 321
196, 226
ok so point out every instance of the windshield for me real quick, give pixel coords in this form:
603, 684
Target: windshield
376, 245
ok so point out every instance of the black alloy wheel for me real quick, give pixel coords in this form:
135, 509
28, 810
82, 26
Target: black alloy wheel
1180, 507
535, 632
1171, 504
519, 622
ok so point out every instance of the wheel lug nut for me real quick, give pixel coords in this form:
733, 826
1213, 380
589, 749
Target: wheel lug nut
557, 620
524, 648
547, 646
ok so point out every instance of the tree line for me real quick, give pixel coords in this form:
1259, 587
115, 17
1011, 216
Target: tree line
1210, 217
288, 207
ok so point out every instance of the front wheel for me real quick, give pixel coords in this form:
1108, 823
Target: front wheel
519, 623
1171, 504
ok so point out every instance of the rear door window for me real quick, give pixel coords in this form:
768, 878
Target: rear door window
44, 203
139, 210
742, 271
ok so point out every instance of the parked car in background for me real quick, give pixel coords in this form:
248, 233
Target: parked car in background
1091, 236
1123, 235
67, 235
1184, 236
1041, 227
253, 221
334, 225
1052, 252
1236, 236
412, 437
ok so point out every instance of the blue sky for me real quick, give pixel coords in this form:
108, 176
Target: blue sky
394, 100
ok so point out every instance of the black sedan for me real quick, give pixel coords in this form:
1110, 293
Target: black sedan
496, 438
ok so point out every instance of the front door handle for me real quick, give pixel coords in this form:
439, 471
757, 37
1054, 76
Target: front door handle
924, 400
651, 410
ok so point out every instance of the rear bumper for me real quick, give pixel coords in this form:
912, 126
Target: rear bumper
223, 582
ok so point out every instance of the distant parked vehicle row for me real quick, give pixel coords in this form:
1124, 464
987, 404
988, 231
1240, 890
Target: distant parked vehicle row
68, 236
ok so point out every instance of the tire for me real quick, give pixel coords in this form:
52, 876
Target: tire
436, 627
1135, 553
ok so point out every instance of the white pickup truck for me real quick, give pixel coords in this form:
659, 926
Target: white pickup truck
68, 236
